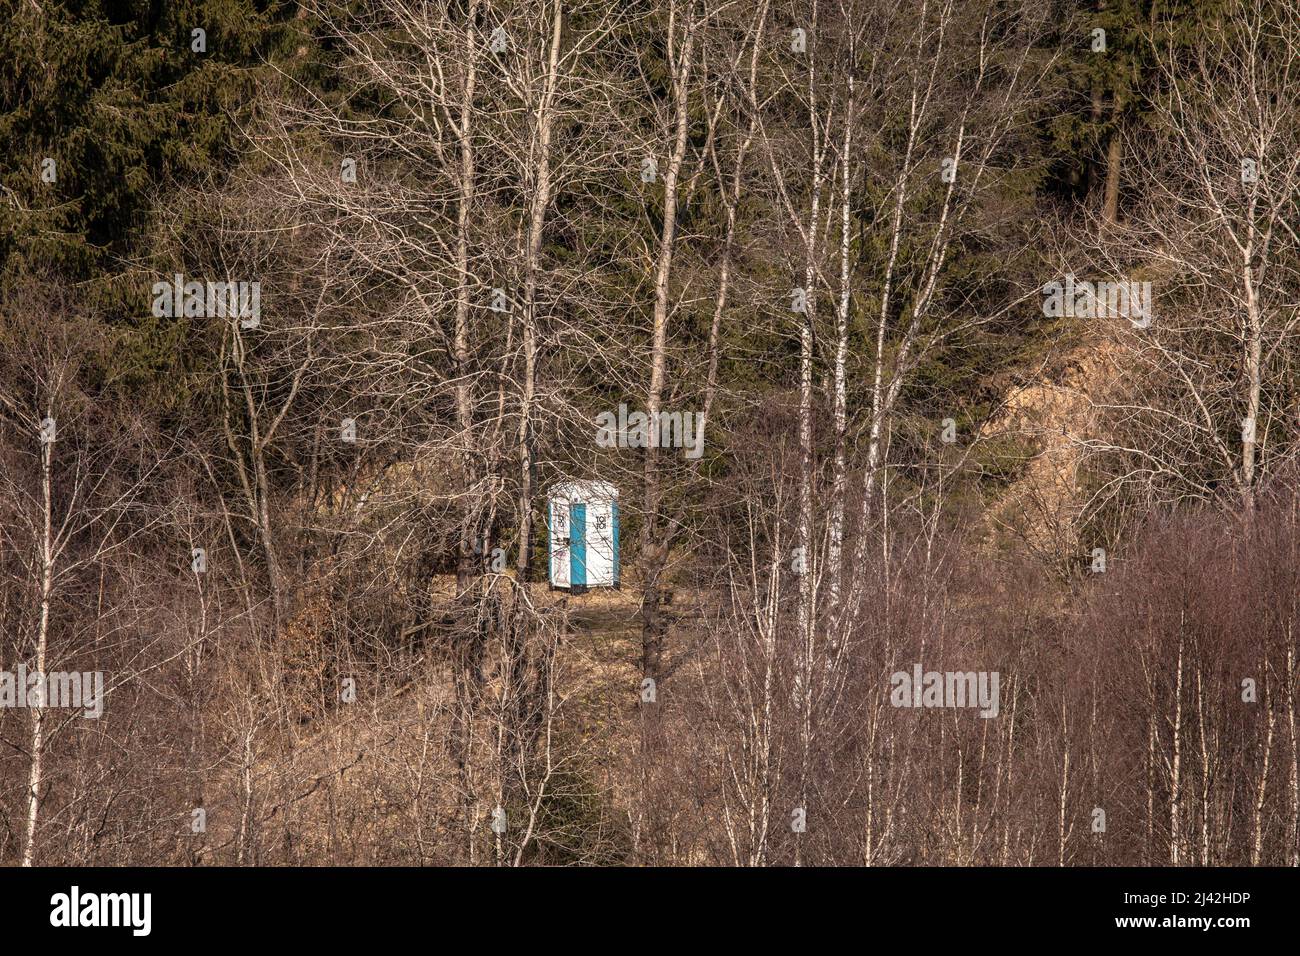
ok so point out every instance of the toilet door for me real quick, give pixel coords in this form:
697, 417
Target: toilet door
578, 546
559, 527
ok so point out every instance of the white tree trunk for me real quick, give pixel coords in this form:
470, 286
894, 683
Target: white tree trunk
36, 744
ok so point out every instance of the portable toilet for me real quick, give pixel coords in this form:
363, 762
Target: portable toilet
582, 520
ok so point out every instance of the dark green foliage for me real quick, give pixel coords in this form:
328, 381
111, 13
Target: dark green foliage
114, 94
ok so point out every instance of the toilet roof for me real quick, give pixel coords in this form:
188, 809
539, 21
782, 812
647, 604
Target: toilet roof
577, 489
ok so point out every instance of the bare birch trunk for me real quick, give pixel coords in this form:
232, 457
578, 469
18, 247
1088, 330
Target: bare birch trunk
35, 777
1257, 810
470, 532
835, 553
1254, 382
1293, 784
543, 121
1175, 769
654, 548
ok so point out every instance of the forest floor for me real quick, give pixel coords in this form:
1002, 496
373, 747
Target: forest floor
381, 762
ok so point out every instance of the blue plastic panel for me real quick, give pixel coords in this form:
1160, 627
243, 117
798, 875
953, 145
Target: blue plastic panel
578, 546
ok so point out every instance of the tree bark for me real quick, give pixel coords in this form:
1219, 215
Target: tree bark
654, 548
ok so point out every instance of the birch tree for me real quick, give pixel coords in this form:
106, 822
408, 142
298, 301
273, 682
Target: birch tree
1214, 236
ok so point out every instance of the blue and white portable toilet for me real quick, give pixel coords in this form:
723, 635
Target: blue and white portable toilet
583, 524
